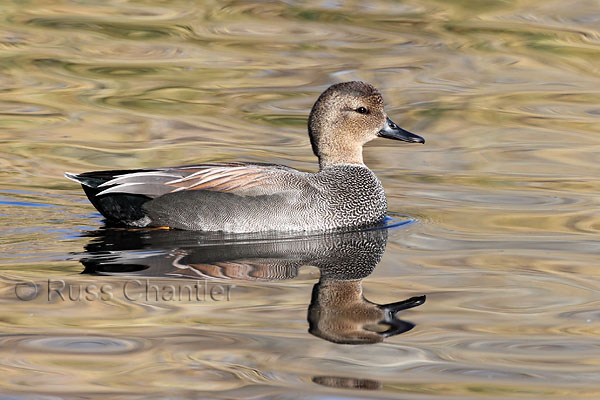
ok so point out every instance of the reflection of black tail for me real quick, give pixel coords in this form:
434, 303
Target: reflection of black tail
190, 254
93, 267
115, 207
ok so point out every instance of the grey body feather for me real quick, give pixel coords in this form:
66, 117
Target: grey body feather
337, 196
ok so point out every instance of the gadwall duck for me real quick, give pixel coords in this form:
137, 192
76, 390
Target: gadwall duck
243, 197
338, 311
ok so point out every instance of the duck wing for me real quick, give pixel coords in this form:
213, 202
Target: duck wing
236, 177
131, 197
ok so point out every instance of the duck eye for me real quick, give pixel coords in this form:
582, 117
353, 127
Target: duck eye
362, 110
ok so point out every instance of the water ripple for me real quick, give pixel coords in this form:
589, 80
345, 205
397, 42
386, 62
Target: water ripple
505, 192
66, 345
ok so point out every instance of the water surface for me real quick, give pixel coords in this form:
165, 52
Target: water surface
505, 194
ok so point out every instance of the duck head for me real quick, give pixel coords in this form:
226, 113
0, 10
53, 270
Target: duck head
345, 117
339, 313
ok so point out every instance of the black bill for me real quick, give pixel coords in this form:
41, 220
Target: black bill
392, 131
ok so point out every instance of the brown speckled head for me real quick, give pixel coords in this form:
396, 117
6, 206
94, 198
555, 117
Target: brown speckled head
345, 117
339, 312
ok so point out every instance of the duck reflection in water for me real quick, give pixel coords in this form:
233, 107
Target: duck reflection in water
338, 311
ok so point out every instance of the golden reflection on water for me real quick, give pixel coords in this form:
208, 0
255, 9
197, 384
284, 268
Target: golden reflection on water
505, 190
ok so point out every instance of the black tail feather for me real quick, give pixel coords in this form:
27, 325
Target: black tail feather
119, 208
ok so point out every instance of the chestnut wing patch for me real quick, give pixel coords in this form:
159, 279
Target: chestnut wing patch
221, 179
226, 177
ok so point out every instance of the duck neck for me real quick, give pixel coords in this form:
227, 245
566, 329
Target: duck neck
342, 155
340, 293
